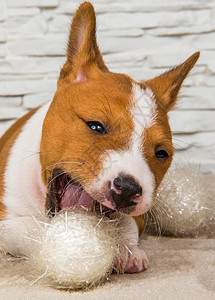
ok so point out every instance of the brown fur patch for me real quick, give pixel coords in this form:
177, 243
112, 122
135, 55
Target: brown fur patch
140, 223
68, 143
82, 49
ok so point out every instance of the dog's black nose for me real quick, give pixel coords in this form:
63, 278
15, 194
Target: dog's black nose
125, 192
125, 184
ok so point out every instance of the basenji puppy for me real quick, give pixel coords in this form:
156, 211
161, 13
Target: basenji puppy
102, 144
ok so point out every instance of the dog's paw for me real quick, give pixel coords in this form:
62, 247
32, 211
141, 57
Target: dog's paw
133, 260
137, 260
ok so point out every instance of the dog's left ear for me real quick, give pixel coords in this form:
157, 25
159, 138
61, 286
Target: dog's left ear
82, 49
166, 86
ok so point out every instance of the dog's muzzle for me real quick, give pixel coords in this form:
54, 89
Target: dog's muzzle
124, 193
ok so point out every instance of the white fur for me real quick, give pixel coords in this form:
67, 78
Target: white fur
130, 163
129, 231
14, 234
143, 112
24, 191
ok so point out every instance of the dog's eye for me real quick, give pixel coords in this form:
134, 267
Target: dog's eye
161, 154
96, 126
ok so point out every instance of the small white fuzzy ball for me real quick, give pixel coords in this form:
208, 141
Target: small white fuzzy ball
76, 249
180, 206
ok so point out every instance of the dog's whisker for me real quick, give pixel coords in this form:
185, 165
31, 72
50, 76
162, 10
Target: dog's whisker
156, 220
60, 160
63, 173
55, 177
32, 154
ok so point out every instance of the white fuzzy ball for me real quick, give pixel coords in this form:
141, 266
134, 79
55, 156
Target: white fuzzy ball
76, 249
180, 207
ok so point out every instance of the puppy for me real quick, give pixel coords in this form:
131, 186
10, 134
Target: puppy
102, 144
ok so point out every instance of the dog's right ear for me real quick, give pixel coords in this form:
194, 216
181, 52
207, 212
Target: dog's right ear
167, 86
82, 48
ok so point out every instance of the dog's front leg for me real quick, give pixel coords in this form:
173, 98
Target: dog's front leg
132, 258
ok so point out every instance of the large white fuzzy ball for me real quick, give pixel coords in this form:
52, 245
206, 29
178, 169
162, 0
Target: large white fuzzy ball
180, 203
76, 249
182, 207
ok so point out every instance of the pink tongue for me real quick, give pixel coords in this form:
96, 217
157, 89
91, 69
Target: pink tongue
76, 196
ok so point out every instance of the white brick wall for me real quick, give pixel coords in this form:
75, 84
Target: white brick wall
139, 37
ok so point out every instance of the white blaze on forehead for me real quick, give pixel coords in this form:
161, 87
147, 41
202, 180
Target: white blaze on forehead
143, 111
132, 162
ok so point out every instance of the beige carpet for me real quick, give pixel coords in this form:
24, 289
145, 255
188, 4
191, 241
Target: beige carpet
179, 269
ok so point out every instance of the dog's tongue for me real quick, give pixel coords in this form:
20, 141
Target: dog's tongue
76, 196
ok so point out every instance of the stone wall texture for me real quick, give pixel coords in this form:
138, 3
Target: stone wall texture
141, 38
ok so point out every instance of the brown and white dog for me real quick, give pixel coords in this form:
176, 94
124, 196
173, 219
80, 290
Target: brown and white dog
103, 144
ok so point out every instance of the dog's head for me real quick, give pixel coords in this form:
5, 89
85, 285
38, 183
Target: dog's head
106, 139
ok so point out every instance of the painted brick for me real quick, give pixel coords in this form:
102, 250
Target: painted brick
4, 126
205, 41
148, 44
10, 102
128, 59
198, 148
19, 87
22, 78
48, 3
139, 73
34, 3
196, 79
3, 10
34, 100
183, 30
25, 26
31, 65
59, 23
210, 81
195, 103
14, 12
170, 59
12, 113
137, 5
202, 140
201, 92
208, 58
129, 32
3, 33
192, 121
153, 19
15, 23
3, 50
45, 45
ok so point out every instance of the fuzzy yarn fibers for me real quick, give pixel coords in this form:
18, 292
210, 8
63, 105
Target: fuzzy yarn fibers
183, 206
76, 249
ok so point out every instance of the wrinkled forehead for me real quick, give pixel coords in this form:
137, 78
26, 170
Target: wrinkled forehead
121, 93
116, 98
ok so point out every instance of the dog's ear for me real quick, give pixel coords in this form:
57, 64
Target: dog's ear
82, 48
166, 86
